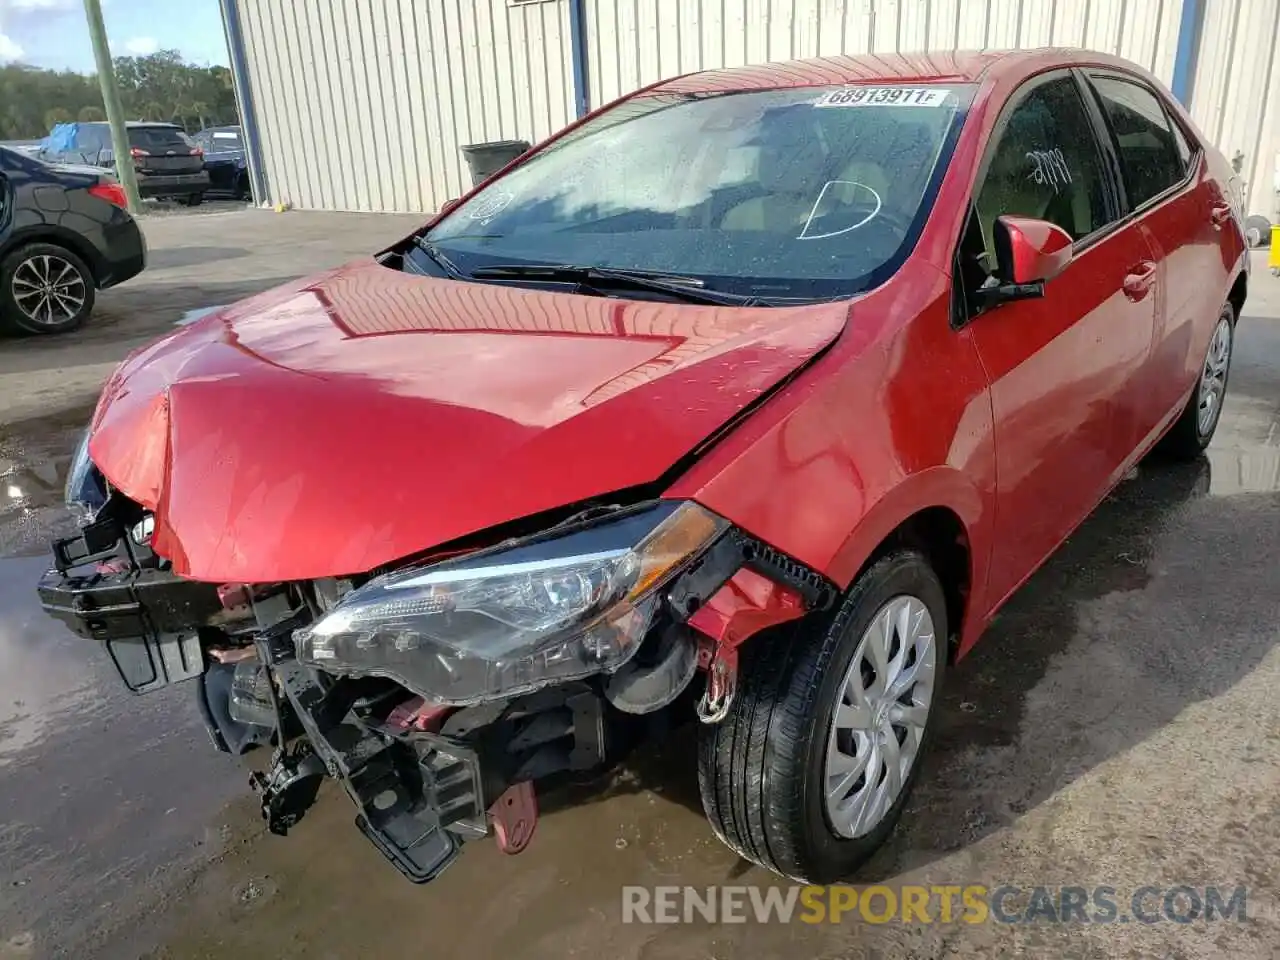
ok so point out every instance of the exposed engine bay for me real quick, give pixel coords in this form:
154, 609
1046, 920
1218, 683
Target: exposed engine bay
441, 693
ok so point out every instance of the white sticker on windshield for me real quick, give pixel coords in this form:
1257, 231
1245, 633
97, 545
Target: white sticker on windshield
884, 97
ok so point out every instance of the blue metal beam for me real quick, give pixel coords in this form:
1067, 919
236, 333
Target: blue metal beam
244, 99
578, 43
1184, 62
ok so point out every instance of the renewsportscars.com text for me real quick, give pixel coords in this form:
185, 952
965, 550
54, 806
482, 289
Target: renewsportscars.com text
972, 903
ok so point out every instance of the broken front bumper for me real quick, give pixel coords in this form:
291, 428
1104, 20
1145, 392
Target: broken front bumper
145, 617
424, 780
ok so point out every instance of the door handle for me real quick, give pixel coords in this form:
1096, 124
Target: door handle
1138, 280
1219, 214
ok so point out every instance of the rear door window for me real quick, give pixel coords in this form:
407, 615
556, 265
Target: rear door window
1150, 155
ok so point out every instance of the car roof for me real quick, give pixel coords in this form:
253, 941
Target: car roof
135, 124
962, 66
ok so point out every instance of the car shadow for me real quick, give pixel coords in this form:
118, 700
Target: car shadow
170, 257
1098, 651
1116, 635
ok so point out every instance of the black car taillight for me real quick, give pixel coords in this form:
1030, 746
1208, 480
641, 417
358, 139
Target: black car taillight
111, 192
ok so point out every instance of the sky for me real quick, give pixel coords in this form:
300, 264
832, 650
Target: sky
52, 33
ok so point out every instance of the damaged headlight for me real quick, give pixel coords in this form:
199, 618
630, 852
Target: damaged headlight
514, 619
85, 491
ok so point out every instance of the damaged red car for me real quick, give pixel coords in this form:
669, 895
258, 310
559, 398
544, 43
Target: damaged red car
751, 398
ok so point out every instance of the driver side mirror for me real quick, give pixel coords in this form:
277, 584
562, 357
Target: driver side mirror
1029, 253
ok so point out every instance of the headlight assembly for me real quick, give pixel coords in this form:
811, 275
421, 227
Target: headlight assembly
511, 620
85, 492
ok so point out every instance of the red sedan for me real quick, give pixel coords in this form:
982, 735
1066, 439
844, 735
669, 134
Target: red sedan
752, 396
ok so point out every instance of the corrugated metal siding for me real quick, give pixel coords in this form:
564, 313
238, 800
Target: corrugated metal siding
364, 104
635, 42
1235, 93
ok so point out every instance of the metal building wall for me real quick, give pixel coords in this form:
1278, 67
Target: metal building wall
1235, 93
364, 104
634, 42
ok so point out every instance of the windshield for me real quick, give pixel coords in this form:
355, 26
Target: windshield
795, 193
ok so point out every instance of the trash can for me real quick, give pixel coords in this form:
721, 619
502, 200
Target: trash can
486, 159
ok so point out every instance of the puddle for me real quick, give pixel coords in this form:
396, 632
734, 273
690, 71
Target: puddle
34, 460
43, 668
191, 316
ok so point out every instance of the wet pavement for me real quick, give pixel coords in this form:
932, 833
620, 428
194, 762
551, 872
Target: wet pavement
1118, 725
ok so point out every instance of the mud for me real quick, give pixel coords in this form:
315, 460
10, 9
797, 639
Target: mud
1118, 725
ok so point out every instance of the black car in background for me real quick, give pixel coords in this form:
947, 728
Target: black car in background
167, 162
224, 160
64, 235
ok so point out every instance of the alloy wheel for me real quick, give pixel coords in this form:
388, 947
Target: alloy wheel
1213, 378
879, 718
49, 290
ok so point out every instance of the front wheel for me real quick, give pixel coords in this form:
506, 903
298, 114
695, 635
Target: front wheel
811, 769
1195, 427
194, 199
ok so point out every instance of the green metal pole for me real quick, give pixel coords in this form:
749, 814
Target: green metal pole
111, 100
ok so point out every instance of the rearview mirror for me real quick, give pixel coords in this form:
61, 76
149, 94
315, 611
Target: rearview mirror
1029, 253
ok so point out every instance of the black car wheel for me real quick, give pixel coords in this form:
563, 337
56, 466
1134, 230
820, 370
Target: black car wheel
811, 769
243, 190
1193, 430
44, 288
194, 199
1257, 231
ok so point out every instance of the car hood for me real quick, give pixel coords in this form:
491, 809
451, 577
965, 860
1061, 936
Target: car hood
355, 418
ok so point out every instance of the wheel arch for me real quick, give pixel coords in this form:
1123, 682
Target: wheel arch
944, 516
58, 237
1239, 290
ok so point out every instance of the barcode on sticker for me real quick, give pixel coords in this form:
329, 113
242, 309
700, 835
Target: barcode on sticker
884, 96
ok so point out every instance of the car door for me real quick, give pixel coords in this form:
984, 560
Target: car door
1062, 368
1183, 212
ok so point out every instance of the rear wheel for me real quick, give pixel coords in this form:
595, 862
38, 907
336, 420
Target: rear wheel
194, 199
811, 769
44, 288
1194, 429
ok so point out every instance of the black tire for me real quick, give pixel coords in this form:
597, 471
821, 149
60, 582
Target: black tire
1187, 438
13, 319
761, 770
1257, 230
194, 199
243, 191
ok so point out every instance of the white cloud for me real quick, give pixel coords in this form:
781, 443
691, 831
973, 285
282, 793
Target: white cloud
41, 4
9, 50
141, 46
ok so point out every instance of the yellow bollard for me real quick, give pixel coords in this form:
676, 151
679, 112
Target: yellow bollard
1273, 260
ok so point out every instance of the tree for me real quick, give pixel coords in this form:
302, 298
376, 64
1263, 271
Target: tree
161, 86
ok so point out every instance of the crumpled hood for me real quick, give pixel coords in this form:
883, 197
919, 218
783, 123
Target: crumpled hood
352, 419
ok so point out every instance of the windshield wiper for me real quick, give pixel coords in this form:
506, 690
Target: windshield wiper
688, 289
436, 254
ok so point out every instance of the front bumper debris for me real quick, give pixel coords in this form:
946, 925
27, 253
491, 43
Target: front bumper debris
145, 617
425, 777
